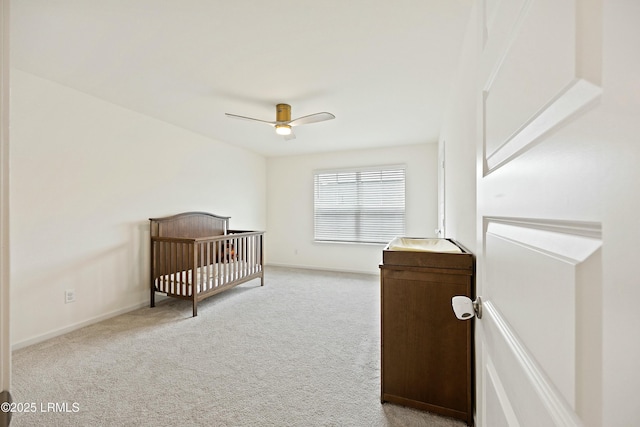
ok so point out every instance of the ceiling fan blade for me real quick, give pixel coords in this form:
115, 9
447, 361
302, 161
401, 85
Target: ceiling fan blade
290, 136
311, 118
235, 116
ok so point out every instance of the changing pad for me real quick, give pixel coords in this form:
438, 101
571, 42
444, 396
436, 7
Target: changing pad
423, 245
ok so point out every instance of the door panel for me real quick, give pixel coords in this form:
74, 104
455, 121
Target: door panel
532, 277
525, 396
524, 62
539, 218
539, 51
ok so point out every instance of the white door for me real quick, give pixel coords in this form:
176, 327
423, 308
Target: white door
558, 203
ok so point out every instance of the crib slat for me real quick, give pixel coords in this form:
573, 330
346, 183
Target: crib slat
179, 278
204, 263
251, 246
260, 258
179, 282
167, 284
221, 262
193, 254
252, 254
197, 262
208, 272
184, 272
234, 254
167, 266
174, 267
239, 257
244, 254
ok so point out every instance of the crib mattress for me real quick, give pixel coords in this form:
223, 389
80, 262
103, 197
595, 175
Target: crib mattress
207, 277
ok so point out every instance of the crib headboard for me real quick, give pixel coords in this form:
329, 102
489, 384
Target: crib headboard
189, 225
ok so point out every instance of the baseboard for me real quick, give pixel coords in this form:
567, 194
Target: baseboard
73, 327
308, 267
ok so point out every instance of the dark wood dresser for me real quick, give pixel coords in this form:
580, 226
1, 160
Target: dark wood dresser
427, 353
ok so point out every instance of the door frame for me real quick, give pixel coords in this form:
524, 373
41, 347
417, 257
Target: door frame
5, 340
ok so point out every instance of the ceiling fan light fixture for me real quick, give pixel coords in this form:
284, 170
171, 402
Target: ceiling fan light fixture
283, 130
283, 122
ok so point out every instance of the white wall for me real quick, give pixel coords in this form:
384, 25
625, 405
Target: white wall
459, 133
289, 238
85, 177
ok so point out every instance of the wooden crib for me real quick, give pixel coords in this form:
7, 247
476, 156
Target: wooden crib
194, 255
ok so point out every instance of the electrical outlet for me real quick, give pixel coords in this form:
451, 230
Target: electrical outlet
69, 295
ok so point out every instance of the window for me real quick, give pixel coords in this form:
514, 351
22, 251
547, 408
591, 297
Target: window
359, 205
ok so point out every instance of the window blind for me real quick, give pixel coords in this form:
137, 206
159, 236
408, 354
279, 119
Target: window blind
359, 205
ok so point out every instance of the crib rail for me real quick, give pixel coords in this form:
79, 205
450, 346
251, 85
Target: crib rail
194, 268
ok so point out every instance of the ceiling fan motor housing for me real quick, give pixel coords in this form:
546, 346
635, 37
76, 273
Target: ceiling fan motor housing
283, 112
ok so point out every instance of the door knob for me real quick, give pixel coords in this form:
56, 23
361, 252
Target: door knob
465, 309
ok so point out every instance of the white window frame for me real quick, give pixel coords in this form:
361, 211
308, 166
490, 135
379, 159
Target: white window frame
356, 210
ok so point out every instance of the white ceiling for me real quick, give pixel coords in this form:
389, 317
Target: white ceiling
384, 68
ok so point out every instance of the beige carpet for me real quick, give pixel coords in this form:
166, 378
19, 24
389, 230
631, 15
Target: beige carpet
304, 350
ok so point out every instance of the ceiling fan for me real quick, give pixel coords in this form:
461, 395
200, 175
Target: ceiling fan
283, 122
